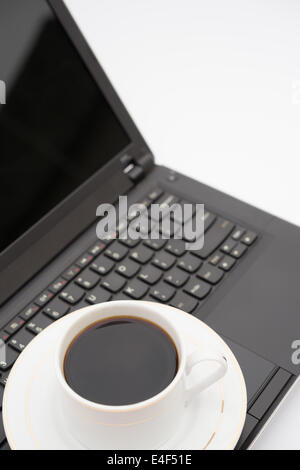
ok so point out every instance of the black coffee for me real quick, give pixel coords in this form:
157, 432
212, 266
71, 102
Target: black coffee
120, 361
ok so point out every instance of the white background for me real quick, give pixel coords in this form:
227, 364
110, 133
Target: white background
214, 87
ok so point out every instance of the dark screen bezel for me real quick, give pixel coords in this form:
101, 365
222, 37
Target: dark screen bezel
35, 248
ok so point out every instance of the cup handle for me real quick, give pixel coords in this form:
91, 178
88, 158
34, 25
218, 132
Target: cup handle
196, 358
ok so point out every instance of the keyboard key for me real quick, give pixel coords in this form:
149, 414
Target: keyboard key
228, 246
71, 272
210, 274
216, 258
72, 294
97, 248
38, 324
10, 357
113, 282
87, 279
163, 260
197, 288
84, 260
56, 309
155, 244
239, 251
141, 225
165, 202
169, 228
102, 265
57, 285
79, 306
14, 325
155, 194
249, 238
227, 263
162, 292
128, 268
129, 242
209, 218
175, 247
116, 251
4, 336
21, 340
191, 231
133, 212
238, 233
109, 238
189, 263
214, 237
136, 289
145, 202
43, 298
185, 214
98, 295
141, 254
150, 275
176, 277
121, 227
184, 302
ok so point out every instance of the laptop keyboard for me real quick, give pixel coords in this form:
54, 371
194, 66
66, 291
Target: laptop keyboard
152, 270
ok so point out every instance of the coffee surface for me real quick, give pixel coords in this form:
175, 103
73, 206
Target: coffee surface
120, 361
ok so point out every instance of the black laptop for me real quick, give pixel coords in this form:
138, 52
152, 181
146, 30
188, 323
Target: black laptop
67, 144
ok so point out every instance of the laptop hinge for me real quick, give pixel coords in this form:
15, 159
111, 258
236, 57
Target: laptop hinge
137, 167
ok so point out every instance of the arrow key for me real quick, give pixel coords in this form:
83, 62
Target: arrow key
72, 294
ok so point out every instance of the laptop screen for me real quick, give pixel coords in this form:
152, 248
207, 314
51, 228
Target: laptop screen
56, 128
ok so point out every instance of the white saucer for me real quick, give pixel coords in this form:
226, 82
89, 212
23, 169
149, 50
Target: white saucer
33, 418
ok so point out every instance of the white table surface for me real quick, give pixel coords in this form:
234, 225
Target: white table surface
214, 87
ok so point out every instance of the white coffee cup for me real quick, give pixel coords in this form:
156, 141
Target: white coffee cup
145, 425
